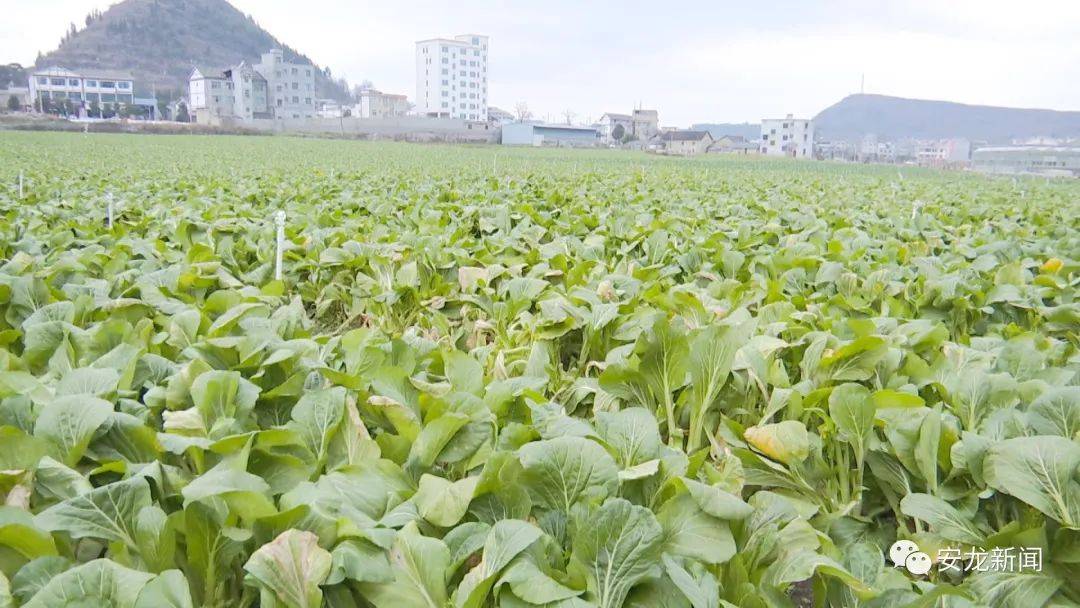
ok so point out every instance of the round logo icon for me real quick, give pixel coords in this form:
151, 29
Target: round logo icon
918, 563
899, 552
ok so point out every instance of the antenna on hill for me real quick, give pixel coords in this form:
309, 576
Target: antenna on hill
862, 83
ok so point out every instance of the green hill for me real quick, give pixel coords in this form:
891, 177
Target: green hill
160, 40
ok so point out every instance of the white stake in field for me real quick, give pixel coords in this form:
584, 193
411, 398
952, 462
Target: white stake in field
279, 220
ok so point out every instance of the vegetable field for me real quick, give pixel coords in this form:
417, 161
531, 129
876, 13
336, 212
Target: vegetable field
523, 378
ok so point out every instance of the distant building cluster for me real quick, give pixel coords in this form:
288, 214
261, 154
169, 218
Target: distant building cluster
452, 98
272, 88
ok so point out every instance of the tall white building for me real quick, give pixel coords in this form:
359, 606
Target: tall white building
452, 77
793, 137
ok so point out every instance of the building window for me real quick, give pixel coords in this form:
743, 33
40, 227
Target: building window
91, 83
42, 80
123, 85
307, 100
73, 82
106, 84
58, 82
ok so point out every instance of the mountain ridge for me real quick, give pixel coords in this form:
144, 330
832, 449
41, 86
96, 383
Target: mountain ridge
891, 117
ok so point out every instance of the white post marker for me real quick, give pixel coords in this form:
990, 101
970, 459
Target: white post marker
916, 208
279, 219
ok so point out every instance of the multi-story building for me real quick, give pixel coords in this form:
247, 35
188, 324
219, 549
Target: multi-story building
250, 92
82, 88
231, 93
372, 103
644, 124
788, 136
290, 86
271, 88
210, 95
452, 77
616, 127
943, 152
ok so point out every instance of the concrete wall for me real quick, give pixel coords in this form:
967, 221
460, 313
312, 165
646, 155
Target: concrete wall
402, 127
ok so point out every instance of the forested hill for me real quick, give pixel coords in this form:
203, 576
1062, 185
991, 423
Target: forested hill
160, 40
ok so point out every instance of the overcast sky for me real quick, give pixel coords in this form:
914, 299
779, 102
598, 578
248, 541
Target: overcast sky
708, 61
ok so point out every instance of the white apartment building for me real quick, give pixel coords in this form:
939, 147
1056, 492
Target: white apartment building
82, 88
793, 137
452, 77
290, 86
210, 95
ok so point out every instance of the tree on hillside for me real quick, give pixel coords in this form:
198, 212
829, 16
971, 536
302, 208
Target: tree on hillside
13, 104
618, 132
95, 109
182, 114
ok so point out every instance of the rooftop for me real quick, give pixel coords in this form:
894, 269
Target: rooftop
56, 70
683, 135
1067, 149
209, 71
446, 40
540, 125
